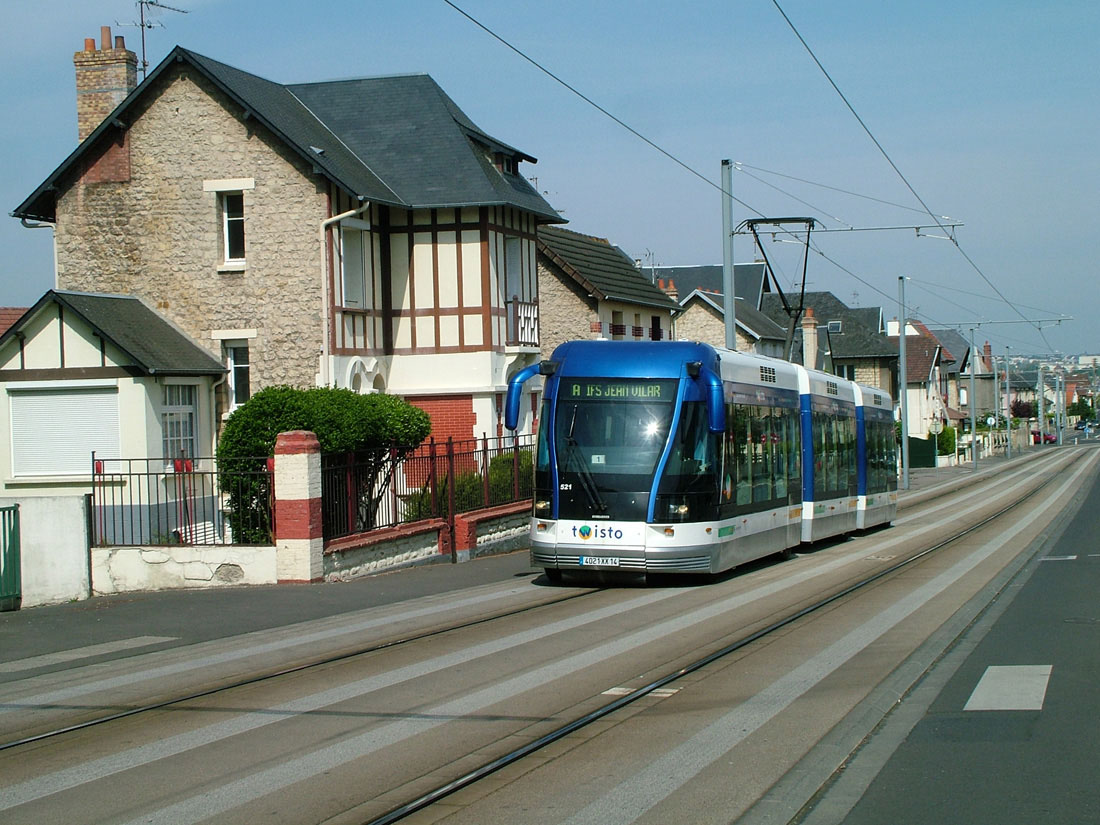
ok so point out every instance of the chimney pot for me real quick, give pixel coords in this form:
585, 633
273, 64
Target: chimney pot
103, 79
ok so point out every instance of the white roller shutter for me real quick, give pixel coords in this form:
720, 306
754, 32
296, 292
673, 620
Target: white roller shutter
53, 432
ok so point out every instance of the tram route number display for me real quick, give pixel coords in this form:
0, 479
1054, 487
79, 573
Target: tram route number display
624, 390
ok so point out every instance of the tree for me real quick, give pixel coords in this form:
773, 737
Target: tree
344, 422
1080, 408
1023, 409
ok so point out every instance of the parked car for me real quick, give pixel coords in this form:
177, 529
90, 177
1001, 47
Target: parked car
1048, 438
1080, 425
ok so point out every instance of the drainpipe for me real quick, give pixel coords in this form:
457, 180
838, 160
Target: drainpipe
326, 379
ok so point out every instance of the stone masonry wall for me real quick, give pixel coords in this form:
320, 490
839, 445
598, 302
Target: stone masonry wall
563, 314
700, 323
158, 236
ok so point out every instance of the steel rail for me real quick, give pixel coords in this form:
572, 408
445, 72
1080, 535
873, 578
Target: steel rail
263, 677
481, 772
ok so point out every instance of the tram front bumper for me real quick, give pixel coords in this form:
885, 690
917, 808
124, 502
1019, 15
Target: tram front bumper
626, 546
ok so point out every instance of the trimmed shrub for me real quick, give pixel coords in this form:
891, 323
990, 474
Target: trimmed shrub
343, 421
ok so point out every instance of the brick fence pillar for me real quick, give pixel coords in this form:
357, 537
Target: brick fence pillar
299, 542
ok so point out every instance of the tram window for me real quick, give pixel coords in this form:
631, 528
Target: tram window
782, 448
741, 438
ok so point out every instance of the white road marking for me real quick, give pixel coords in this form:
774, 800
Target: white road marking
1058, 558
82, 653
1010, 687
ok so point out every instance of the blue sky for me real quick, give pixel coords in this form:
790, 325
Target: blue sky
989, 109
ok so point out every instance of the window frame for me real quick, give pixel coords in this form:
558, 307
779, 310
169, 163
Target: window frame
233, 224
175, 411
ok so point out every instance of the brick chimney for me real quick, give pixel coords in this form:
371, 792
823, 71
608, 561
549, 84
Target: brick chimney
104, 77
809, 339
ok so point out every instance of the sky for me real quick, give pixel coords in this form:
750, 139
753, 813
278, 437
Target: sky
985, 112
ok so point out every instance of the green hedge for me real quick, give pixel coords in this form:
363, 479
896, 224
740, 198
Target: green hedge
343, 421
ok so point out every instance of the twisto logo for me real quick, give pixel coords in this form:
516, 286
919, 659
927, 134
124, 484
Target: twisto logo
586, 532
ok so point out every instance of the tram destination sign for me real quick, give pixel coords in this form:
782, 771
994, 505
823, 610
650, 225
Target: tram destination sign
636, 389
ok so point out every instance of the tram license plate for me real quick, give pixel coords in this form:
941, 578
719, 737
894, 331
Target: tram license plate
599, 561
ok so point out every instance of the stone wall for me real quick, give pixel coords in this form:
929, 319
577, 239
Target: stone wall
564, 313
158, 235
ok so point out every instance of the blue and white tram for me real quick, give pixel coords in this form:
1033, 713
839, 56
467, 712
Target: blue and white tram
877, 458
678, 457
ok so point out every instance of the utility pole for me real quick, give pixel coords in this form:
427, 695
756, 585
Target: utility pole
1041, 391
903, 387
1008, 408
729, 299
973, 406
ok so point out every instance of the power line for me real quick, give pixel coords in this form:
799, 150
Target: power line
711, 183
889, 160
740, 167
596, 105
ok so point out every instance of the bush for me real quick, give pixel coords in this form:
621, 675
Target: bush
945, 441
343, 421
470, 488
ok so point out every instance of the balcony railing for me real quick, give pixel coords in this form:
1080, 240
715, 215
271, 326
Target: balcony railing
523, 322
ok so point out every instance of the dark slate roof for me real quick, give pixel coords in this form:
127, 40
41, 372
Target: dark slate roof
956, 348
396, 140
752, 319
748, 279
601, 268
855, 340
153, 344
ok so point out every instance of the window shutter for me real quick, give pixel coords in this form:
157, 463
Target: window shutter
53, 432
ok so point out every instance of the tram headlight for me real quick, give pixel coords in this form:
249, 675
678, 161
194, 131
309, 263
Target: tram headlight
678, 510
542, 506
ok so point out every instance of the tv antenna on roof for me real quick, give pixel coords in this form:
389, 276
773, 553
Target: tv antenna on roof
145, 23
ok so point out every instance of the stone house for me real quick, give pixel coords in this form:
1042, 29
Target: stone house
589, 288
703, 318
857, 347
926, 380
359, 233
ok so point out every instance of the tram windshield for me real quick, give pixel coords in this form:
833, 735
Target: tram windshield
608, 437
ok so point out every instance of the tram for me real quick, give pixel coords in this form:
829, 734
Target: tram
680, 457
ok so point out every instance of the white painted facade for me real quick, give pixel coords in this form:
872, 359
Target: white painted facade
56, 358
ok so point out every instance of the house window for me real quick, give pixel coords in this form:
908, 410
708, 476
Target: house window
232, 208
835, 328
237, 361
846, 371
178, 421
356, 264
55, 431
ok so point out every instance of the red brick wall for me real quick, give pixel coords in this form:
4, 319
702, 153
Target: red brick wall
452, 415
111, 165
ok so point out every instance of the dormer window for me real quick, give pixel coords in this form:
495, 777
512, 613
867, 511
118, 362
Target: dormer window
505, 163
835, 328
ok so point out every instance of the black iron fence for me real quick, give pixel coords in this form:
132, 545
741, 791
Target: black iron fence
207, 501
158, 501
388, 487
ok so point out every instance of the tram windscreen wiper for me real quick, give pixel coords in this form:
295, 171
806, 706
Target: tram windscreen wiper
588, 484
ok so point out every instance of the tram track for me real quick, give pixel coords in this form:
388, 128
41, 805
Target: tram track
494, 762
929, 497
287, 671
516, 755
